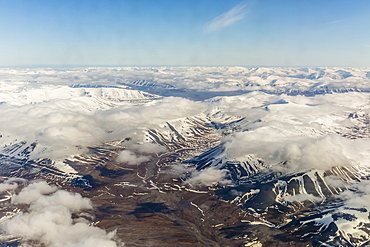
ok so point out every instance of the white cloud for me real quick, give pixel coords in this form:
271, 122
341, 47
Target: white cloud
355, 204
8, 186
303, 131
209, 176
228, 18
300, 153
64, 127
11, 184
335, 181
358, 196
49, 220
33, 192
302, 197
129, 157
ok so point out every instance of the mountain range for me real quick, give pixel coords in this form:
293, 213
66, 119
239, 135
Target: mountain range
186, 156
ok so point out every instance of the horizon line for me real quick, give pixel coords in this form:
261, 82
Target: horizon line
57, 66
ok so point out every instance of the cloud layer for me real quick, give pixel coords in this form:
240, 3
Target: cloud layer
208, 177
299, 153
49, 218
129, 157
276, 127
294, 133
63, 127
145, 152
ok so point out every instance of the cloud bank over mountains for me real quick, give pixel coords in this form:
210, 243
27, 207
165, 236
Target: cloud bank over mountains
63, 120
65, 126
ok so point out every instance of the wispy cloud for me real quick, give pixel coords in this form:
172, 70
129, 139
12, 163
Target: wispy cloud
227, 18
333, 22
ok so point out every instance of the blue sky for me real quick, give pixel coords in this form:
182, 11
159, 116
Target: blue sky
185, 32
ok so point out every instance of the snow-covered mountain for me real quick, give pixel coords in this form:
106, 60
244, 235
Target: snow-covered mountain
260, 156
186, 81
